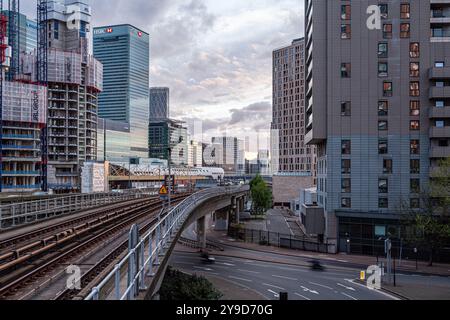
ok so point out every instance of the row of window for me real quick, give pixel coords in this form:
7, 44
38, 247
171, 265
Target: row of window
346, 147
387, 166
383, 203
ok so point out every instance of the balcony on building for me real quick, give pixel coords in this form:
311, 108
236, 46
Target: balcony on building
443, 132
436, 73
439, 92
439, 113
440, 152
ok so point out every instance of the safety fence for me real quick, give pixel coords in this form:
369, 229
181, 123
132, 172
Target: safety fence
137, 269
16, 214
268, 238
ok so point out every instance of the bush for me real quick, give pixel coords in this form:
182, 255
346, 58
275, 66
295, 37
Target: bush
180, 286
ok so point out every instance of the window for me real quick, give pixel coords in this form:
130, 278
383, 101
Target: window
414, 89
439, 84
387, 166
382, 125
414, 125
414, 203
443, 143
346, 12
414, 69
383, 146
346, 202
345, 70
414, 50
414, 108
439, 124
346, 109
346, 147
439, 64
346, 166
383, 186
440, 104
415, 185
387, 89
415, 147
405, 30
387, 31
382, 50
346, 31
382, 69
414, 166
346, 185
405, 11
383, 203
383, 107
384, 10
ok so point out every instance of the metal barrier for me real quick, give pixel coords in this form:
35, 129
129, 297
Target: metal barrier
12, 215
140, 261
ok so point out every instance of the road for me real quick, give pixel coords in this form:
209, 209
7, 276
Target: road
269, 279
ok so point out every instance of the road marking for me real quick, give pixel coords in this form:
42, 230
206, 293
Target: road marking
226, 264
309, 290
348, 288
349, 296
203, 268
321, 285
274, 293
271, 285
291, 269
303, 297
282, 277
257, 265
242, 270
237, 278
379, 291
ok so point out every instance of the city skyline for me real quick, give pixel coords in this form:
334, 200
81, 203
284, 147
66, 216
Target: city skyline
188, 36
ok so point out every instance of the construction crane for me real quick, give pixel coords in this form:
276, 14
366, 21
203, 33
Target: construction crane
42, 62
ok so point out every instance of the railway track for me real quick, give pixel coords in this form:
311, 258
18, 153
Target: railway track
13, 242
50, 257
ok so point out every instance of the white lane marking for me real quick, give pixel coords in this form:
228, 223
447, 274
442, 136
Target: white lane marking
303, 297
271, 285
348, 296
291, 269
276, 295
226, 264
348, 288
379, 291
321, 285
242, 279
309, 290
257, 265
249, 271
282, 277
203, 268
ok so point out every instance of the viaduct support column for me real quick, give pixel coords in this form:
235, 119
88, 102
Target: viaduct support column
201, 232
235, 209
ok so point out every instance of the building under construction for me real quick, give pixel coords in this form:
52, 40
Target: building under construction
23, 111
74, 81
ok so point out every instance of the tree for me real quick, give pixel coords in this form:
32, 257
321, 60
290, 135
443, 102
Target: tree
428, 224
261, 195
180, 286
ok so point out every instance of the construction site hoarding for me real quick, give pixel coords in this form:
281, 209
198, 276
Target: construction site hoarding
94, 74
24, 102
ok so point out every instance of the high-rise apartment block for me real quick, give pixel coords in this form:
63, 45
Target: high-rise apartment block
74, 82
288, 115
159, 103
378, 110
124, 51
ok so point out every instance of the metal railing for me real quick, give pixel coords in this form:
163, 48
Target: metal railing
138, 265
15, 214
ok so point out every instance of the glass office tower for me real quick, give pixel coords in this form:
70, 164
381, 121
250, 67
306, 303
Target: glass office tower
124, 51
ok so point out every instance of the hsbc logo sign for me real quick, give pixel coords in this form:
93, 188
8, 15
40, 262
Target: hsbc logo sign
103, 31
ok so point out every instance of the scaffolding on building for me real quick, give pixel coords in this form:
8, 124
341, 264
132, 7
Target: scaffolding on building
14, 37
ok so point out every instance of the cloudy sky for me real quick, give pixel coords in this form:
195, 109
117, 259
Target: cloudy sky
215, 55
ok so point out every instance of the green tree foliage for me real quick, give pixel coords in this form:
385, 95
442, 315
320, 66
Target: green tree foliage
261, 195
428, 227
180, 286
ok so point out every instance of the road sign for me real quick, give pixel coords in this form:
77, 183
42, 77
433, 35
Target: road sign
163, 191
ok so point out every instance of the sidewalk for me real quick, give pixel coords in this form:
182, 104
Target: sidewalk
357, 261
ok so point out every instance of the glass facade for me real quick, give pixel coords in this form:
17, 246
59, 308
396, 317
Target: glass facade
125, 53
159, 103
31, 28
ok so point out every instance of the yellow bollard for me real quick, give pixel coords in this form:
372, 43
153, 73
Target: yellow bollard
362, 275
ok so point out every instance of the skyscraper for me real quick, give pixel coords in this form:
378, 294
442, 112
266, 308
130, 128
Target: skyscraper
377, 109
74, 81
288, 115
31, 35
124, 51
159, 103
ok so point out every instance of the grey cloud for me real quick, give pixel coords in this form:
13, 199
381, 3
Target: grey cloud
252, 114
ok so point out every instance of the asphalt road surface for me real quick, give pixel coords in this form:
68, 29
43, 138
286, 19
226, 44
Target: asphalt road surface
269, 279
